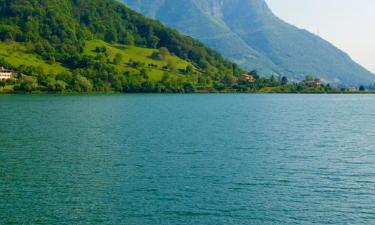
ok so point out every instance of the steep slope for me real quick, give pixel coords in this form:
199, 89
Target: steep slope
106, 45
247, 32
198, 19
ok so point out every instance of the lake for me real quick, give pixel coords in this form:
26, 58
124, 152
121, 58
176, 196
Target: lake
187, 159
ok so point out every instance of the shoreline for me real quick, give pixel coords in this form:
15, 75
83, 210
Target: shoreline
191, 93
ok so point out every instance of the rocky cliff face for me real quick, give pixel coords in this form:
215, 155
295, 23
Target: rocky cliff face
212, 8
247, 32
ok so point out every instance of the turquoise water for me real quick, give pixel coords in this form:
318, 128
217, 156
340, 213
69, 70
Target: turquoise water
187, 159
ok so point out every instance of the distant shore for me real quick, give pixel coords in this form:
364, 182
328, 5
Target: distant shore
179, 93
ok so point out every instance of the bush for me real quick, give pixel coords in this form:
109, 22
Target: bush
164, 53
29, 84
82, 84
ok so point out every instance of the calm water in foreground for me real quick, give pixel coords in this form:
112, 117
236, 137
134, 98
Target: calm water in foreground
187, 159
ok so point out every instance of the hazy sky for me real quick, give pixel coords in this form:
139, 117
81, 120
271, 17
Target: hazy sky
348, 24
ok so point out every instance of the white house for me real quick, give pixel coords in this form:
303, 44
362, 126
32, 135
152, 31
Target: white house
6, 74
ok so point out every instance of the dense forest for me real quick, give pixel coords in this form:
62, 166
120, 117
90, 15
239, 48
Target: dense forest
57, 31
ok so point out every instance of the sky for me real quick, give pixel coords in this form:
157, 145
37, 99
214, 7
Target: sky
348, 24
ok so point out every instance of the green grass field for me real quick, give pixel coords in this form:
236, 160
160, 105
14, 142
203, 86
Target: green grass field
136, 54
17, 54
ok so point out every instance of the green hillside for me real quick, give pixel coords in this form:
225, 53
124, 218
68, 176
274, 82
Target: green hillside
134, 69
101, 45
125, 59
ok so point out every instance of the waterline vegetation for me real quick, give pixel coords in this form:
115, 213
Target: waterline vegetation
251, 82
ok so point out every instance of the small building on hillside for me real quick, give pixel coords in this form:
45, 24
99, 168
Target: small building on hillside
6, 74
246, 78
313, 83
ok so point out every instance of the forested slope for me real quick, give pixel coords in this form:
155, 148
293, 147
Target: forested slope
94, 46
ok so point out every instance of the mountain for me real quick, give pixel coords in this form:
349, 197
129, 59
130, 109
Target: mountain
247, 32
102, 45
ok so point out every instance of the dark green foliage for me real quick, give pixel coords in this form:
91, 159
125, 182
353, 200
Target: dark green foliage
309, 78
29, 83
164, 53
189, 69
284, 80
117, 60
171, 66
155, 55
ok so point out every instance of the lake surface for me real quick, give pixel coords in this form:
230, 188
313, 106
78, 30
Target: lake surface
187, 159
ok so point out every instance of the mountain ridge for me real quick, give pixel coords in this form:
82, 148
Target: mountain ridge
250, 34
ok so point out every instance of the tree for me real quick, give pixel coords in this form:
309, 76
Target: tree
189, 87
100, 49
65, 76
129, 39
229, 80
143, 73
118, 59
82, 84
171, 65
8, 32
164, 53
284, 80
154, 41
155, 55
327, 88
309, 78
51, 84
60, 86
165, 77
29, 83
219, 86
51, 60
189, 69
254, 73
362, 88
273, 81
